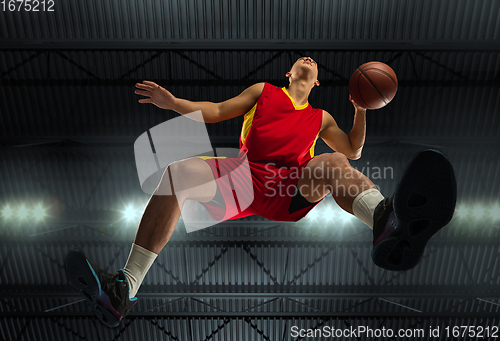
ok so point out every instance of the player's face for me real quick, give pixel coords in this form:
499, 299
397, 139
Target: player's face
307, 62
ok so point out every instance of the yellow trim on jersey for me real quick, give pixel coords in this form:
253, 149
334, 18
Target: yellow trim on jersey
211, 157
311, 151
293, 102
247, 123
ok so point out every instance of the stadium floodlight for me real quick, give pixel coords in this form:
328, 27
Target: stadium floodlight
22, 212
315, 214
460, 212
328, 212
7, 212
129, 213
494, 212
479, 211
344, 217
39, 212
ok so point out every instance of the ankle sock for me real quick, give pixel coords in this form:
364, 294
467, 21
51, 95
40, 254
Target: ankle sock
364, 205
138, 263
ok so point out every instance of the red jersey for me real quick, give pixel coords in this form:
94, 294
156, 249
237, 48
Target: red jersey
278, 138
276, 131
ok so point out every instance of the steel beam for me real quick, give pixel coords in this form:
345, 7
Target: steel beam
196, 83
241, 241
217, 291
376, 315
125, 144
252, 44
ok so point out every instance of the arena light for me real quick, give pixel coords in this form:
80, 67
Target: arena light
484, 212
494, 212
333, 214
22, 212
328, 213
461, 212
129, 213
315, 214
479, 211
7, 212
344, 217
39, 212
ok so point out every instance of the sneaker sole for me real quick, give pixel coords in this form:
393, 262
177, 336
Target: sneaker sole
424, 202
81, 275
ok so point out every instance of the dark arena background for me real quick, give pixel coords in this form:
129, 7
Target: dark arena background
68, 180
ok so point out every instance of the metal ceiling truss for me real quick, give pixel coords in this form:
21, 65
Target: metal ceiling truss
97, 144
488, 291
216, 80
251, 44
88, 323
319, 242
258, 315
155, 318
493, 83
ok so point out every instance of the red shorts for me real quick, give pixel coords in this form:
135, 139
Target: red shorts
247, 188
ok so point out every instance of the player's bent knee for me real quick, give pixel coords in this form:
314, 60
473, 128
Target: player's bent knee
335, 166
190, 169
178, 168
337, 159
192, 179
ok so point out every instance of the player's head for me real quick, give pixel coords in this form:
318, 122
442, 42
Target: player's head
304, 69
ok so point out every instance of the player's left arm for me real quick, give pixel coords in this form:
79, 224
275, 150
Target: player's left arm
350, 145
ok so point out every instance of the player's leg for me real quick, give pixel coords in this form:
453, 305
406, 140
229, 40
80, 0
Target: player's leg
191, 179
186, 179
351, 189
422, 204
112, 296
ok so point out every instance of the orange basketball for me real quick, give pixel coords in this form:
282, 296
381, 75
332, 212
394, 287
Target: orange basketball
373, 85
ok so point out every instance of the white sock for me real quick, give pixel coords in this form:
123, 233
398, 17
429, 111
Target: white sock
138, 263
364, 205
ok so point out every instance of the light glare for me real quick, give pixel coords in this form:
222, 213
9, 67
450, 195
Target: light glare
460, 212
495, 212
39, 212
314, 214
479, 211
22, 212
129, 213
328, 213
344, 217
7, 212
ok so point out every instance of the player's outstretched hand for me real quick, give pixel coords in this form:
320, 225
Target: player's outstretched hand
156, 94
356, 106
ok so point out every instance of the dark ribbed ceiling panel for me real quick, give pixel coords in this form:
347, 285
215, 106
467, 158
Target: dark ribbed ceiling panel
224, 19
221, 329
196, 263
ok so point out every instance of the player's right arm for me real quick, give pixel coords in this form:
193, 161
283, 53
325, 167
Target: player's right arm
212, 112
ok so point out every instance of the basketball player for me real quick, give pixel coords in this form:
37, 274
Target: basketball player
278, 136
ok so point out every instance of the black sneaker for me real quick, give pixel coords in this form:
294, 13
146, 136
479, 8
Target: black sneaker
107, 294
382, 226
423, 203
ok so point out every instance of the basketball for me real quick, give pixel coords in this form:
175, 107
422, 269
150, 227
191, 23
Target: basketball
373, 85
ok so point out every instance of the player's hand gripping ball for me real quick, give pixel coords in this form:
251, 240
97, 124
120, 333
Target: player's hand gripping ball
373, 85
